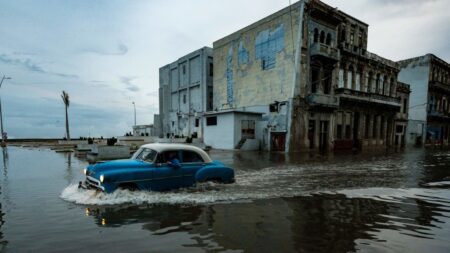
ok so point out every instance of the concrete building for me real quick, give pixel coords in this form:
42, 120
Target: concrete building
242, 124
143, 130
306, 68
429, 113
185, 93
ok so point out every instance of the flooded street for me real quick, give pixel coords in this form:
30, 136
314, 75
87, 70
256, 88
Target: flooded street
396, 202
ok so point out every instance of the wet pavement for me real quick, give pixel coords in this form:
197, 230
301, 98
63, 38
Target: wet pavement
392, 202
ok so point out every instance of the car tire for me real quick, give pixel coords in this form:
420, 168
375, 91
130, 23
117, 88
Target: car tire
129, 187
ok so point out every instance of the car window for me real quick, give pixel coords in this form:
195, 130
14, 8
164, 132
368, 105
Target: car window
191, 157
166, 156
147, 155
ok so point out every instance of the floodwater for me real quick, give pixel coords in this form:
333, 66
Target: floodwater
398, 202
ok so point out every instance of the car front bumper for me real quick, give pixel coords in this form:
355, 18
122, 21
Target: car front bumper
91, 184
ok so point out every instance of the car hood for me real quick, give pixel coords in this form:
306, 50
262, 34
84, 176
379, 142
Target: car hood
98, 168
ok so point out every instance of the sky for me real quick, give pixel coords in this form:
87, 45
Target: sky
107, 53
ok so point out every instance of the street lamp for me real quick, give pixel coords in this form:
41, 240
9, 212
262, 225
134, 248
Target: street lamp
1, 116
134, 105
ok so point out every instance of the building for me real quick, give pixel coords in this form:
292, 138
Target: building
243, 125
185, 93
143, 130
306, 68
429, 113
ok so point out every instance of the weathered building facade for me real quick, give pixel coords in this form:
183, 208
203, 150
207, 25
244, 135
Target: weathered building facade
306, 68
429, 117
185, 93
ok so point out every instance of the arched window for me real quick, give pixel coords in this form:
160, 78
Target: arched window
328, 42
316, 35
392, 91
322, 37
385, 85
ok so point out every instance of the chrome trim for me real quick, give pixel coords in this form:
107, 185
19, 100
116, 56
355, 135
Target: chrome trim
96, 184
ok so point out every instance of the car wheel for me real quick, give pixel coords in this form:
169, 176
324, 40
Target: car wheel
130, 187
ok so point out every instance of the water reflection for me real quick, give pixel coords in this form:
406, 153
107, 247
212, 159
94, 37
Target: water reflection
5, 160
316, 223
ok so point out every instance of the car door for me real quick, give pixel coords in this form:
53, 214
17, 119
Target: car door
191, 163
166, 177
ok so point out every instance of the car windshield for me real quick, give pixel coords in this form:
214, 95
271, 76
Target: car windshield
147, 155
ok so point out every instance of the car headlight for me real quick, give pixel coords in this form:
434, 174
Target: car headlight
102, 178
85, 171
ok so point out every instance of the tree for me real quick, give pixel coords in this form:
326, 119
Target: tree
65, 98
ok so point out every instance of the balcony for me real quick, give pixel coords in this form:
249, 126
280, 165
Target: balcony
366, 97
439, 87
324, 51
322, 100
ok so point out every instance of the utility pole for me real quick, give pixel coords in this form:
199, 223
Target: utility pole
134, 105
1, 115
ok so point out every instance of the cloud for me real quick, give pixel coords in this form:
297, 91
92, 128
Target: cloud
153, 93
29, 65
121, 49
128, 85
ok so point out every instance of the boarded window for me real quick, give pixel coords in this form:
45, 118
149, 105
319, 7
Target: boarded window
211, 121
248, 129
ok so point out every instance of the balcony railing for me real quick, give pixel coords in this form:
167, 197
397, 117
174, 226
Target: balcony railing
438, 86
324, 50
323, 100
367, 97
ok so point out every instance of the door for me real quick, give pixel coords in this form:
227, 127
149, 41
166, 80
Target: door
355, 130
165, 176
323, 136
191, 162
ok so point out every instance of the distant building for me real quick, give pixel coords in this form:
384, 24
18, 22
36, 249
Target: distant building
307, 70
429, 109
143, 130
185, 93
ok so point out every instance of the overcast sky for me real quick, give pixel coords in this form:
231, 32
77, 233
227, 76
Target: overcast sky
106, 53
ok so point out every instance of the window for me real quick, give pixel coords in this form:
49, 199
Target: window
211, 121
167, 156
184, 98
341, 78
352, 38
316, 35
349, 78
211, 69
173, 123
328, 42
184, 69
315, 79
327, 82
197, 122
322, 37
191, 157
248, 129
405, 105
147, 155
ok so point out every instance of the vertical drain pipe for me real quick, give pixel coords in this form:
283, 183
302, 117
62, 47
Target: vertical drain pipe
296, 77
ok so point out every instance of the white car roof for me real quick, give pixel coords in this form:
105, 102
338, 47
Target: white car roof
161, 147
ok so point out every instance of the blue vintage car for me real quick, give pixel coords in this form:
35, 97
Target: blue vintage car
157, 167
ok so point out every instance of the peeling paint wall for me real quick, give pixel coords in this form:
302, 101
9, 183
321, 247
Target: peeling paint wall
239, 77
267, 44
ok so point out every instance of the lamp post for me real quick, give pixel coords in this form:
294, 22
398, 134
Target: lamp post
134, 106
1, 115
